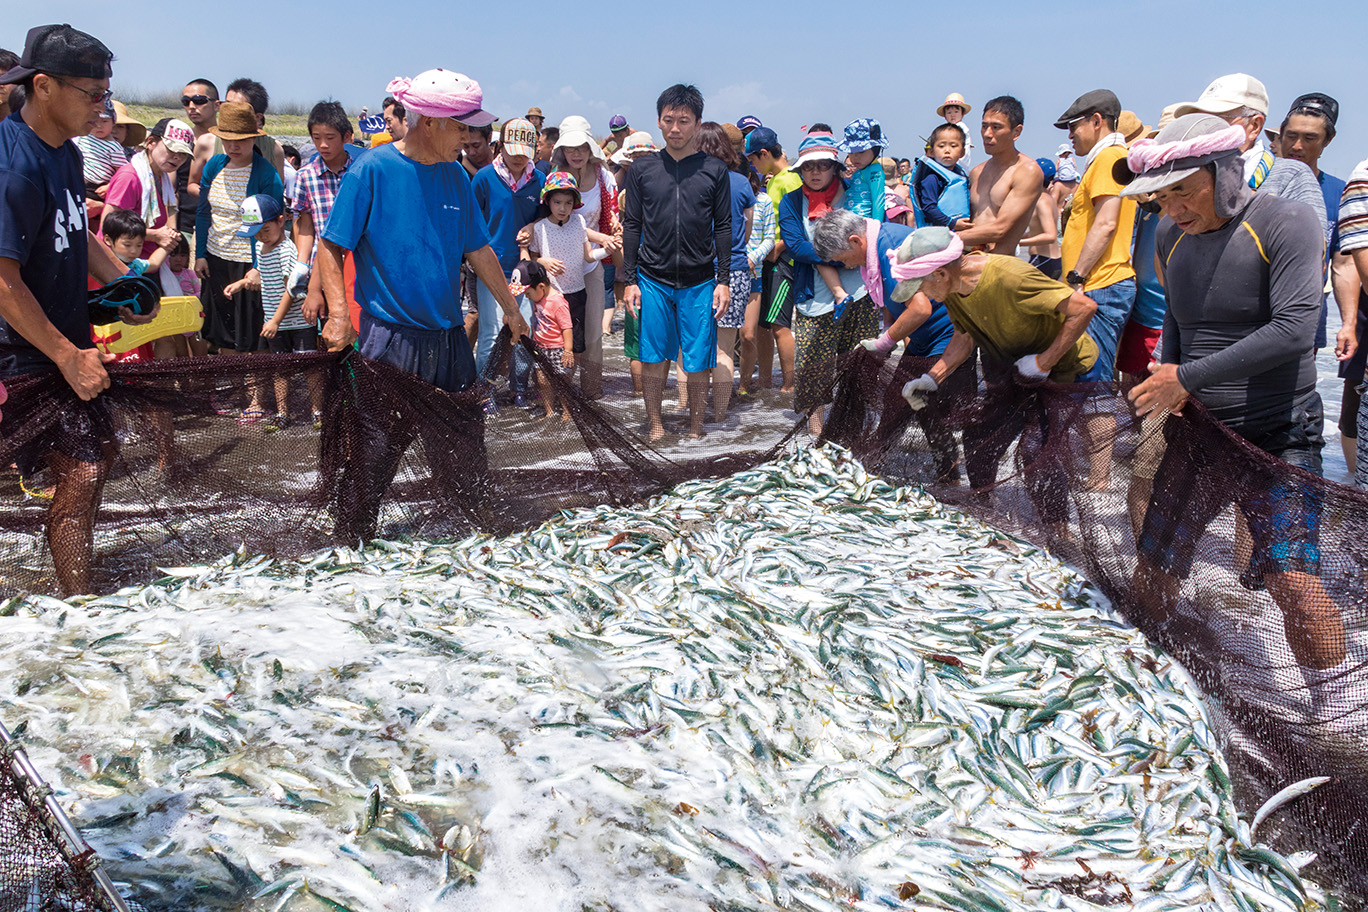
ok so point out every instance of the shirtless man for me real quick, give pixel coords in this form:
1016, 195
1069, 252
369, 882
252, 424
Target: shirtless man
1042, 237
1004, 189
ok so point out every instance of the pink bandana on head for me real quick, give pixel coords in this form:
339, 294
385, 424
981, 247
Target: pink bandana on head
437, 93
1147, 154
923, 266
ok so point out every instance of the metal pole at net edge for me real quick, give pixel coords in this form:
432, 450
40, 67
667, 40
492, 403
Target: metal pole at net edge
80, 856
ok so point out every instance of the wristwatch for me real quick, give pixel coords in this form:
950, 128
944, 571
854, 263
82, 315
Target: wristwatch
1073, 278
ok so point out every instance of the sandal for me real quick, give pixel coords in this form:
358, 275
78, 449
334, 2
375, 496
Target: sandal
250, 416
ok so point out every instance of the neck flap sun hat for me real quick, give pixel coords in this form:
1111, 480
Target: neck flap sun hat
816, 147
925, 250
442, 93
561, 180
60, 50
863, 134
236, 120
1184, 147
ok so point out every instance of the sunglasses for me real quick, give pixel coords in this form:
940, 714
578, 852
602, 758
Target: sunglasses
98, 96
187, 100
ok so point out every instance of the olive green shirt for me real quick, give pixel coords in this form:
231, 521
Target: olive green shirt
1012, 312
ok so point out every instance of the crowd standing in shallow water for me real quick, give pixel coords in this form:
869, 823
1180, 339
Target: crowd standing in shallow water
717, 248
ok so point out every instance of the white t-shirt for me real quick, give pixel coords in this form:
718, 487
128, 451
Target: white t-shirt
564, 243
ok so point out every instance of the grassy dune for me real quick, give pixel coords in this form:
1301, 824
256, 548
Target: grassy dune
276, 124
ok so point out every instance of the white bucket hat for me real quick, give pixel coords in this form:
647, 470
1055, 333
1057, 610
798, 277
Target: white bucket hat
576, 131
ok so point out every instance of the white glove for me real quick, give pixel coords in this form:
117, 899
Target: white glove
298, 283
1029, 368
917, 391
883, 345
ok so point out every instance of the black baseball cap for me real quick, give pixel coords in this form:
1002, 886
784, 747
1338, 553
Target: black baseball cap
1098, 101
60, 50
1318, 102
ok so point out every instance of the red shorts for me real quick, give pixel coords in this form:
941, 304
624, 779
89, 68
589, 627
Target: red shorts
1136, 351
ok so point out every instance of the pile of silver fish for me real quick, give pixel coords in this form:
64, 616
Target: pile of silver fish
795, 688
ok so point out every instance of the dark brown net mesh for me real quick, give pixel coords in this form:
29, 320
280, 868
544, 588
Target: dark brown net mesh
36, 874
1250, 573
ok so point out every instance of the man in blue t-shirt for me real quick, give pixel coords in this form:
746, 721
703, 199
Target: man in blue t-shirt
508, 191
407, 213
46, 253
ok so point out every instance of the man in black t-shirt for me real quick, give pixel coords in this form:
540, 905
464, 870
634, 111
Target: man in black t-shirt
46, 252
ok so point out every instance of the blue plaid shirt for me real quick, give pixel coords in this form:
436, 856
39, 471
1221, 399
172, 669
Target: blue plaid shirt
315, 191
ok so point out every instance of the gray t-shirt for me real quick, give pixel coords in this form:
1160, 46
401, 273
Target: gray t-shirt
1243, 305
1295, 181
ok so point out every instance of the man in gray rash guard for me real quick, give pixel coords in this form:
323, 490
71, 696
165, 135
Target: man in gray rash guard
1243, 278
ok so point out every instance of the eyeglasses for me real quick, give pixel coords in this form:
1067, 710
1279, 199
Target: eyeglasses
99, 96
188, 100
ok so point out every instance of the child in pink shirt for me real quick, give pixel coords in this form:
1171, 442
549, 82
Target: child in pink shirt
554, 333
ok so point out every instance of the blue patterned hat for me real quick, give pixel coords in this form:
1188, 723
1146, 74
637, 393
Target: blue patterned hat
863, 134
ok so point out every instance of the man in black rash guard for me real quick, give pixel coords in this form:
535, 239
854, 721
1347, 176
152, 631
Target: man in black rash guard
1243, 278
676, 250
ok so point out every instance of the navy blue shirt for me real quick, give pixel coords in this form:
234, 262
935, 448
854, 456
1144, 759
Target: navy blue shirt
43, 227
742, 198
506, 211
408, 226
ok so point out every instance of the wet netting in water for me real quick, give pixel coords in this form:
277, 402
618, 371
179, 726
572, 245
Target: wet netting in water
44, 864
1246, 570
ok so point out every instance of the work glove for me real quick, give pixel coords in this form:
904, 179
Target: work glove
1029, 369
917, 392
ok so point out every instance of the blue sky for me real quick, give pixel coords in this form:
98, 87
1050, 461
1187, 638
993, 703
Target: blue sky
788, 63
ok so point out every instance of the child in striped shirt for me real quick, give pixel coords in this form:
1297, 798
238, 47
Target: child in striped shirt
101, 155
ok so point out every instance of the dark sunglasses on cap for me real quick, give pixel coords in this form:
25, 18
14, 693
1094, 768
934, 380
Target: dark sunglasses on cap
187, 100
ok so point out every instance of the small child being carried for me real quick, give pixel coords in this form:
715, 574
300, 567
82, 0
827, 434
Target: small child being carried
554, 334
940, 188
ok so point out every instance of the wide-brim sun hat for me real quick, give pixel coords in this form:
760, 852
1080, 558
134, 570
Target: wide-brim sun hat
578, 133
954, 98
137, 133
236, 120
1181, 149
635, 143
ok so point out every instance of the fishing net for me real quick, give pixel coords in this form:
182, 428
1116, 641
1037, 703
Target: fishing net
41, 866
1250, 572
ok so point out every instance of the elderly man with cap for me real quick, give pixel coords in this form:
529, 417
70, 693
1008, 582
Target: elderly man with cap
1096, 247
408, 214
46, 252
1242, 100
1243, 275
508, 191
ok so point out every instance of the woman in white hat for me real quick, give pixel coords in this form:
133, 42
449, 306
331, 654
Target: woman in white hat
578, 153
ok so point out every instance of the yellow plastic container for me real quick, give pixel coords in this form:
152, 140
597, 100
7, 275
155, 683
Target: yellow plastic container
178, 315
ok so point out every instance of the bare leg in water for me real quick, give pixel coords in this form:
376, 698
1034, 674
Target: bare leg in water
783, 341
749, 335
722, 373
71, 518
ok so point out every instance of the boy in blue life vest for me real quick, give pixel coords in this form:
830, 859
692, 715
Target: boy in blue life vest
940, 188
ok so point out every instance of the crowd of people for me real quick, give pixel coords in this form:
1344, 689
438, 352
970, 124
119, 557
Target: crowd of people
1188, 260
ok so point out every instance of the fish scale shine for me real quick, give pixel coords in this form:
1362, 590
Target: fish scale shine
794, 685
